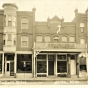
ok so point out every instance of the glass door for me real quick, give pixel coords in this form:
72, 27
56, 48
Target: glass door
7, 68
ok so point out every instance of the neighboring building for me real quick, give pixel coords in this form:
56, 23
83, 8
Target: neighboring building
42, 49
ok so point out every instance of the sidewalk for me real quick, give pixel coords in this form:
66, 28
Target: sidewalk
41, 79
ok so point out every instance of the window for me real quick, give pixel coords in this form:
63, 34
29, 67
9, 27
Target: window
14, 39
82, 27
64, 39
9, 39
4, 39
24, 41
47, 39
14, 23
24, 23
9, 23
39, 38
9, 20
24, 63
41, 64
56, 39
14, 18
61, 64
82, 41
71, 39
5, 20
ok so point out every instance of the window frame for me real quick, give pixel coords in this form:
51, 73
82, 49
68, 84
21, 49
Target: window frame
65, 40
71, 39
22, 22
84, 40
82, 25
37, 38
24, 40
46, 38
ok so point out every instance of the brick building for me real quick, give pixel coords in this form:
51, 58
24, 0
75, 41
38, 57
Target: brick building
42, 49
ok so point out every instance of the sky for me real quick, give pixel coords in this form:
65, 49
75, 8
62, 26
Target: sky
50, 8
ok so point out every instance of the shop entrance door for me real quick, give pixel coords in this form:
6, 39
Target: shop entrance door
51, 65
9, 68
73, 65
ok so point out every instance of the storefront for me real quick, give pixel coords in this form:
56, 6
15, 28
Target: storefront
56, 64
24, 66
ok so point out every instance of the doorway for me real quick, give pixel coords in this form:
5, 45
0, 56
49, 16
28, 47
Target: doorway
73, 65
9, 68
51, 65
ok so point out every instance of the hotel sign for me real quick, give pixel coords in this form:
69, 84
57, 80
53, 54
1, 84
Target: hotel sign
66, 46
55, 45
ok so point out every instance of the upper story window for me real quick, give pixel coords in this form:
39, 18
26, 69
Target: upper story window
4, 39
55, 39
71, 39
9, 39
64, 39
24, 41
39, 38
14, 39
47, 38
9, 20
82, 27
82, 41
14, 21
24, 23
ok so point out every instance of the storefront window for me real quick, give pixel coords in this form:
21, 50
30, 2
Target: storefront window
24, 63
0, 63
61, 64
41, 64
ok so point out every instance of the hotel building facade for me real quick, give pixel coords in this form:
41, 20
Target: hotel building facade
30, 48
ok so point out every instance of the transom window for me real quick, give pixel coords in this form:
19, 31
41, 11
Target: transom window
64, 39
39, 38
47, 38
24, 23
24, 41
82, 27
71, 39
